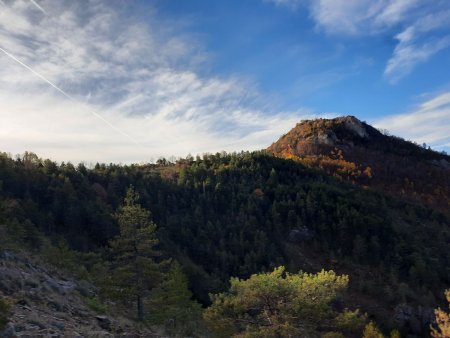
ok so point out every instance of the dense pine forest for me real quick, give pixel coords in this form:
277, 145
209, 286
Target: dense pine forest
223, 215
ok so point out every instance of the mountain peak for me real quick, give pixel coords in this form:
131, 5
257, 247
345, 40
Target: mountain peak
315, 136
353, 150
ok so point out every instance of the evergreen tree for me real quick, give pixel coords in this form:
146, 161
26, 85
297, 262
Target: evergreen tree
4, 312
371, 331
173, 305
135, 268
276, 304
442, 321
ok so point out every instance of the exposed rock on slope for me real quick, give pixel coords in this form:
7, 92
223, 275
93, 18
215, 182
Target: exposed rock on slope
348, 148
47, 304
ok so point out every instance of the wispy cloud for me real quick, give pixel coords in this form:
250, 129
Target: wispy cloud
428, 123
420, 28
141, 77
408, 53
420, 40
365, 17
12, 57
38, 6
292, 4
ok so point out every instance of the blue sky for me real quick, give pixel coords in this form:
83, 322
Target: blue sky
130, 81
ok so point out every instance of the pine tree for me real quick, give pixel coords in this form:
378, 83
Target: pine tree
275, 304
442, 321
371, 331
4, 312
173, 303
135, 268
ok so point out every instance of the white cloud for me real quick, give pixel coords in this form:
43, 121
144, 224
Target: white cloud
140, 76
38, 6
360, 17
429, 123
292, 4
408, 54
417, 43
420, 27
344, 17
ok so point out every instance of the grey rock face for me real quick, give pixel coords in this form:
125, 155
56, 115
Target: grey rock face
301, 234
9, 331
47, 303
104, 322
356, 127
442, 164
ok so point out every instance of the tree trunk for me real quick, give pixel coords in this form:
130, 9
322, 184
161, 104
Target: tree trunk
140, 308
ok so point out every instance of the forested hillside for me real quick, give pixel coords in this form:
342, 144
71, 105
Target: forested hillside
233, 215
350, 149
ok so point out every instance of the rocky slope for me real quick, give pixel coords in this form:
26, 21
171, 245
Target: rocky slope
353, 150
45, 303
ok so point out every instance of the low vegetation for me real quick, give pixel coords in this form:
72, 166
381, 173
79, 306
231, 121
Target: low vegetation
4, 312
280, 304
442, 328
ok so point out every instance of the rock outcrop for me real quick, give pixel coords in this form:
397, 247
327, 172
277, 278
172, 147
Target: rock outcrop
350, 149
45, 303
312, 137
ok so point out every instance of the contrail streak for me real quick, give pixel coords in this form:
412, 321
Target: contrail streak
39, 7
68, 96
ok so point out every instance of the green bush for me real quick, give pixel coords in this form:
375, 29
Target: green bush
4, 312
95, 305
276, 304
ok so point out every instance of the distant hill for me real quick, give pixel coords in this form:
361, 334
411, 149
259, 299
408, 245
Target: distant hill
352, 150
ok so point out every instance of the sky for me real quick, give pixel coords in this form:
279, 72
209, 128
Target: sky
129, 81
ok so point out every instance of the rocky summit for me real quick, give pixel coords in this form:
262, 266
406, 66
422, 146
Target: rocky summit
350, 149
311, 137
